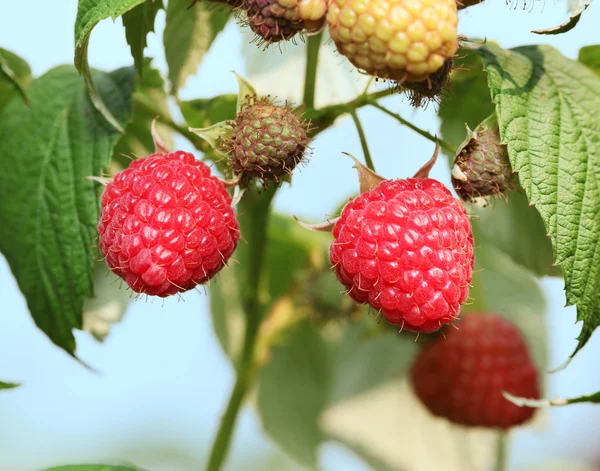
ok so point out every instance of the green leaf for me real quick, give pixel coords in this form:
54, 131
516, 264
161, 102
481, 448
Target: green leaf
590, 56
93, 467
204, 112
89, 13
4, 385
15, 76
188, 35
568, 25
511, 226
149, 102
138, 23
547, 107
48, 150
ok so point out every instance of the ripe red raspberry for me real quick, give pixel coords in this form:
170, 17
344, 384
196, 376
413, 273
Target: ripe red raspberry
167, 224
406, 248
461, 377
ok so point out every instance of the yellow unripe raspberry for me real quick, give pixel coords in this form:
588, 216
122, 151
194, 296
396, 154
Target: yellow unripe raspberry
401, 40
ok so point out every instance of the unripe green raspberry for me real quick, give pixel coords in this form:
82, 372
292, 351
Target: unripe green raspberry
281, 20
430, 89
401, 40
267, 141
481, 165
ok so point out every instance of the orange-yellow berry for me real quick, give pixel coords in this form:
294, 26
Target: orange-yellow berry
401, 40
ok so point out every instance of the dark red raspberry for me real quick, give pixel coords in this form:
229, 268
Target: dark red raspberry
167, 224
461, 377
406, 248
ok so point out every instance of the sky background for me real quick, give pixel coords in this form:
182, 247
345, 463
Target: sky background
164, 380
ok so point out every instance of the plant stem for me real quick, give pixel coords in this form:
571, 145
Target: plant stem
420, 131
310, 78
254, 212
152, 110
501, 451
363, 140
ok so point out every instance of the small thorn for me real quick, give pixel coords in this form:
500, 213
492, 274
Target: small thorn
100, 180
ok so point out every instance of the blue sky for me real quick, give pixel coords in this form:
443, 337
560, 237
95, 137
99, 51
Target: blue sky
164, 380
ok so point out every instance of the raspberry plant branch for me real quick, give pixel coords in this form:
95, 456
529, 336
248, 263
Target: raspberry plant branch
254, 211
363, 140
418, 130
501, 451
312, 60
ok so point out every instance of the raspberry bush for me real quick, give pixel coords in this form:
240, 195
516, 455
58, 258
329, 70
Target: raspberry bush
116, 188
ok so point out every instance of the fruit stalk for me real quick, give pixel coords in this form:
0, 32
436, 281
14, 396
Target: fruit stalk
255, 232
312, 60
425, 134
501, 451
363, 140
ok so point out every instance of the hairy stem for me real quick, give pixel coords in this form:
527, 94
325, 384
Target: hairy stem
418, 130
312, 61
254, 212
501, 452
363, 140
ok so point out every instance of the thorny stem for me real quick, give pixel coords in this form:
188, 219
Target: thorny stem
363, 140
418, 130
254, 218
312, 60
501, 451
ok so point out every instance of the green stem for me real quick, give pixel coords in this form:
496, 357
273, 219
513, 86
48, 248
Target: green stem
310, 78
363, 140
501, 452
152, 110
254, 211
420, 131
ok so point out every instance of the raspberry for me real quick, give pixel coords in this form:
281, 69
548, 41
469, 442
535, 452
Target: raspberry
401, 40
406, 248
481, 166
166, 224
461, 377
280, 20
267, 141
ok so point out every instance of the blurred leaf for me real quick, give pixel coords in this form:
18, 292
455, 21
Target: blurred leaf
292, 393
389, 423
512, 226
89, 13
518, 230
148, 99
138, 22
93, 467
15, 76
547, 107
579, 7
500, 285
48, 150
590, 56
205, 112
109, 303
188, 35
468, 102
315, 368
4, 385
